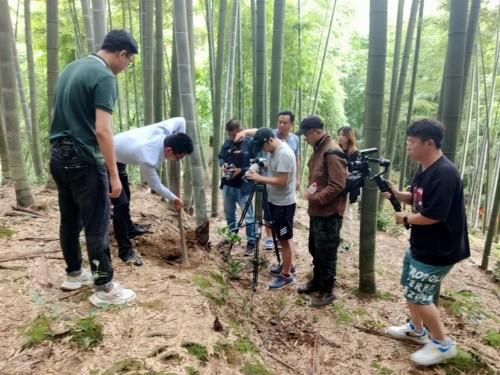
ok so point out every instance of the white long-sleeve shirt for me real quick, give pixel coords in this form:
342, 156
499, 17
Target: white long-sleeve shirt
144, 147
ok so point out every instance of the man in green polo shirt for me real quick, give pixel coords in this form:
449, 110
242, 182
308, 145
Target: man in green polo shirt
81, 138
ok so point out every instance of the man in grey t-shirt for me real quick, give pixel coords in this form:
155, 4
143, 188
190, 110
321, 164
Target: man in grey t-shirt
284, 132
280, 187
281, 160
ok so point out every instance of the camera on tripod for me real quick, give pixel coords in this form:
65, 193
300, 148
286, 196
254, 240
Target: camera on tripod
257, 165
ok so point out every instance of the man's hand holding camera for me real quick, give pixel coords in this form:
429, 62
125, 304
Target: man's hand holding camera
230, 171
235, 172
408, 218
254, 171
402, 196
400, 217
255, 176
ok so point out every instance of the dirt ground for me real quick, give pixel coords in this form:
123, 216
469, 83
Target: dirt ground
169, 328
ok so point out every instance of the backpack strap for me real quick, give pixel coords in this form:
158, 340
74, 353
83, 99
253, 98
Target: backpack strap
336, 152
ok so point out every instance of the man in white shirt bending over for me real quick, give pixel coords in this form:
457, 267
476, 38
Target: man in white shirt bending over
147, 147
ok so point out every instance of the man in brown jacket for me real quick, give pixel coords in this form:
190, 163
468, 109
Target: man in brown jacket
327, 201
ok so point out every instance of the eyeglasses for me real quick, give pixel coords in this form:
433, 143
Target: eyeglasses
130, 61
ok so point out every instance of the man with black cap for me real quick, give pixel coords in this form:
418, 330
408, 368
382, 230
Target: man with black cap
327, 200
280, 188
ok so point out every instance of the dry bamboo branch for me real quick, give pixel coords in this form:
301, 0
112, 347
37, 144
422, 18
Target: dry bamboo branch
9, 258
27, 210
277, 359
48, 239
315, 358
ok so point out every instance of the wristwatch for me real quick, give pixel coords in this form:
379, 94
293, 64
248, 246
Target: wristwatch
405, 222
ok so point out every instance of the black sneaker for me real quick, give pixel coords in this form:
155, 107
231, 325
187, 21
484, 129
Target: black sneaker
307, 288
324, 299
132, 258
250, 249
136, 231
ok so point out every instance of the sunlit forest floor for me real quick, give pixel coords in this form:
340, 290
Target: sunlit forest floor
169, 328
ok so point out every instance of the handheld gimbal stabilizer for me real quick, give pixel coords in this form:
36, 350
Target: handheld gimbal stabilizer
361, 168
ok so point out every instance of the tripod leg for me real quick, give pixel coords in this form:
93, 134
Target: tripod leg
248, 204
275, 238
258, 232
276, 248
240, 223
256, 261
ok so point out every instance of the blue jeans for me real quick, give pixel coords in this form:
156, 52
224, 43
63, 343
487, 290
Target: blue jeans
233, 196
83, 203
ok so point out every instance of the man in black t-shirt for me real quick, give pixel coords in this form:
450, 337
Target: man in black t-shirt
438, 240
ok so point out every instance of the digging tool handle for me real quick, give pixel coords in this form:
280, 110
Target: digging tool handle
185, 259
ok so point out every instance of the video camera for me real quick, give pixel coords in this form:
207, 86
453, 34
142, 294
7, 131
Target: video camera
257, 165
360, 170
228, 171
229, 166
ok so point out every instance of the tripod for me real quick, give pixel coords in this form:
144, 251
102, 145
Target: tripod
260, 193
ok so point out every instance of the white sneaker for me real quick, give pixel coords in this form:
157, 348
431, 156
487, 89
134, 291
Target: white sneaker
116, 296
407, 332
434, 352
76, 282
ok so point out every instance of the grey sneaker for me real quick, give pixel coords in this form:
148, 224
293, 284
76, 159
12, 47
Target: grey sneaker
269, 244
280, 282
76, 282
133, 258
250, 249
117, 295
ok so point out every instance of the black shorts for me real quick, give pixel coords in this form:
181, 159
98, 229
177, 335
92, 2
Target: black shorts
281, 219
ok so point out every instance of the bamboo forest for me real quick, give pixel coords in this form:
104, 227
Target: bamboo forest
249, 187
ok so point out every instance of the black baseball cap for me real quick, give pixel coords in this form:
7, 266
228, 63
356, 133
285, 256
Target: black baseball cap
261, 136
309, 123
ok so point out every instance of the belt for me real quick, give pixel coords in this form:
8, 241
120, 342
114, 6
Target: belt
63, 141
